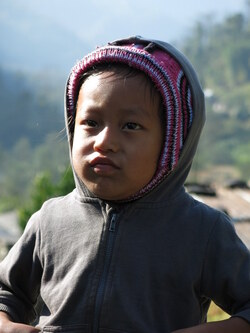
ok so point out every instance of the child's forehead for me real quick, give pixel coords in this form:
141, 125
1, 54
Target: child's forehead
133, 90
121, 72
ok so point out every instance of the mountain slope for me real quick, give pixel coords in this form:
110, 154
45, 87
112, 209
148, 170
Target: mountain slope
33, 42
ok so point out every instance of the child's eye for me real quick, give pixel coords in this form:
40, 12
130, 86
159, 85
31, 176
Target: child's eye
90, 123
132, 126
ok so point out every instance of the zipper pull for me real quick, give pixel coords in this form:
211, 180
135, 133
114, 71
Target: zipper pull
112, 223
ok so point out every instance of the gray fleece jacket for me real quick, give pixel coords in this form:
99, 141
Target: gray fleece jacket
150, 265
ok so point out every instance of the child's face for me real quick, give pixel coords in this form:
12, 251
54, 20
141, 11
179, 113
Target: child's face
118, 135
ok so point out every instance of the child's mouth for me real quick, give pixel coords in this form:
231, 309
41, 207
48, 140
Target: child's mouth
103, 166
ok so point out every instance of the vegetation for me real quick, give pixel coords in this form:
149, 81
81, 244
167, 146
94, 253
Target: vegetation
22, 163
43, 189
220, 53
216, 314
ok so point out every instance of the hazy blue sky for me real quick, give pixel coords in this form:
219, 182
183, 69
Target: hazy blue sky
47, 32
163, 19
98, 21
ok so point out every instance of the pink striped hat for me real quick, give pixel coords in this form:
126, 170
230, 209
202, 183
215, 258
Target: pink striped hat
168, 78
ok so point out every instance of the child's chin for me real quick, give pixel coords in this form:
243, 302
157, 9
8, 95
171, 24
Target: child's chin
110, 196
108, 191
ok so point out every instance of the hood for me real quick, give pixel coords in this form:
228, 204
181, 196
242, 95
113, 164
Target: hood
183, 99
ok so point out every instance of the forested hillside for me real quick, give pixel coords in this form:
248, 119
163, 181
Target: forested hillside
221, 55
31, 107
32, 139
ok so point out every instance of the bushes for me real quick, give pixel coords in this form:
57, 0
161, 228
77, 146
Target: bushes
43, 189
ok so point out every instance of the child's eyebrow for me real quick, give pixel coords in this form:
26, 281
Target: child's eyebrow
132, 110
135, 111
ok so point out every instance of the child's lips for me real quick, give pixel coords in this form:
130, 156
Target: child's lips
103, 166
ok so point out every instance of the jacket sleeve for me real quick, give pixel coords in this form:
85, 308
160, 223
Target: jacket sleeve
20, 275
226, 271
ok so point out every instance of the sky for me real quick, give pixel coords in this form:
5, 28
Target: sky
58, 32
98, 21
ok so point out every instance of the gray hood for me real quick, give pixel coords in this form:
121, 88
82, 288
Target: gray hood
171, 182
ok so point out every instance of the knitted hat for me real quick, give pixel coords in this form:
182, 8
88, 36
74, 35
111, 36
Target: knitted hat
168, 78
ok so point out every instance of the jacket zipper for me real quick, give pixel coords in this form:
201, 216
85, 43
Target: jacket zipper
103, 279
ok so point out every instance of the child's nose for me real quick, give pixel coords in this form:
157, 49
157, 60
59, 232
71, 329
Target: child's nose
106, 140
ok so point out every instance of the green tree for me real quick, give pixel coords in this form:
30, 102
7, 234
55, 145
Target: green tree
43, 189
20, 165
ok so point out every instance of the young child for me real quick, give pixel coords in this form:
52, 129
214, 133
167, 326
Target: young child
128, 250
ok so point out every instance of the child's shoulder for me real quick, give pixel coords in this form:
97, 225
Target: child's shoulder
52, 210
209, 216
58, 201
